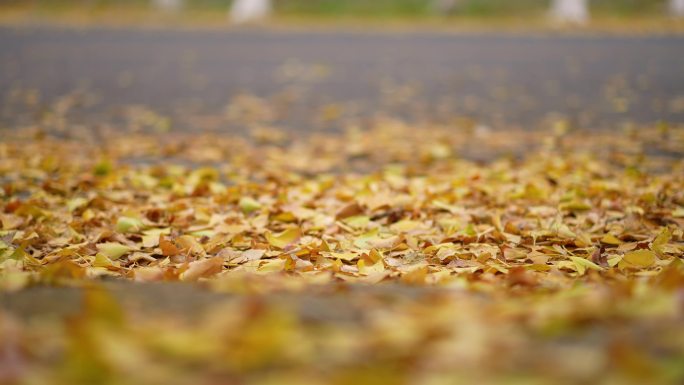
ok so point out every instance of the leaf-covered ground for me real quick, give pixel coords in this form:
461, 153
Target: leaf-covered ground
557, 260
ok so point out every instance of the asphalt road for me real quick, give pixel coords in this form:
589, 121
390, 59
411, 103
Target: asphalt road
314, 77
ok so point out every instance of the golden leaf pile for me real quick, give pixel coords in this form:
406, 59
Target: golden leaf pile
561, 260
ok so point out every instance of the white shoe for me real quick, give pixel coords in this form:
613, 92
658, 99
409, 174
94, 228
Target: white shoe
246, 11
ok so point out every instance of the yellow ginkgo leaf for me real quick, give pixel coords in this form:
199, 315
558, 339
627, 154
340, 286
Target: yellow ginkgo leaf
202, 268
610, 239
284, 239
128, 225
406, 226
581, 265
661, 240
248, 205
113, 250
272, 266
368, 269
638, 258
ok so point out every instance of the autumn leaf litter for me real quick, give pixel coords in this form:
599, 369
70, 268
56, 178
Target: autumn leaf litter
564, 234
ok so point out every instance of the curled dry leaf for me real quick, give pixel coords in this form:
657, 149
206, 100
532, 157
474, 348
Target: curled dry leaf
202, 268
284, 239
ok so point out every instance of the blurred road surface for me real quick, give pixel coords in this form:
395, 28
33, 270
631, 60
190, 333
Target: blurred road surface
325, 78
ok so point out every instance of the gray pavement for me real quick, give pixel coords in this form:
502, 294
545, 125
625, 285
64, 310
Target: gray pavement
499, 80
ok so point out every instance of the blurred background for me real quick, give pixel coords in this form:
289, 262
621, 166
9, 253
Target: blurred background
334, 64
442, 11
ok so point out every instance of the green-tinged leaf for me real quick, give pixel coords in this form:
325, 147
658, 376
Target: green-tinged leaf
102, 260
248, 205
104, 167
575, 205
357, 221
582, 265
565, 232
129, 225
406, 226
113, 250
76, 203
363, 241
203, 233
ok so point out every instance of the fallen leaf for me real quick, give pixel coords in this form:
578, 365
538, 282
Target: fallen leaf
285, 238
168, 248
660, 241
202, 268
349, 210
639, 258
582, 265
189, 245
128, 225
610, 239
248, 205
113, 250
